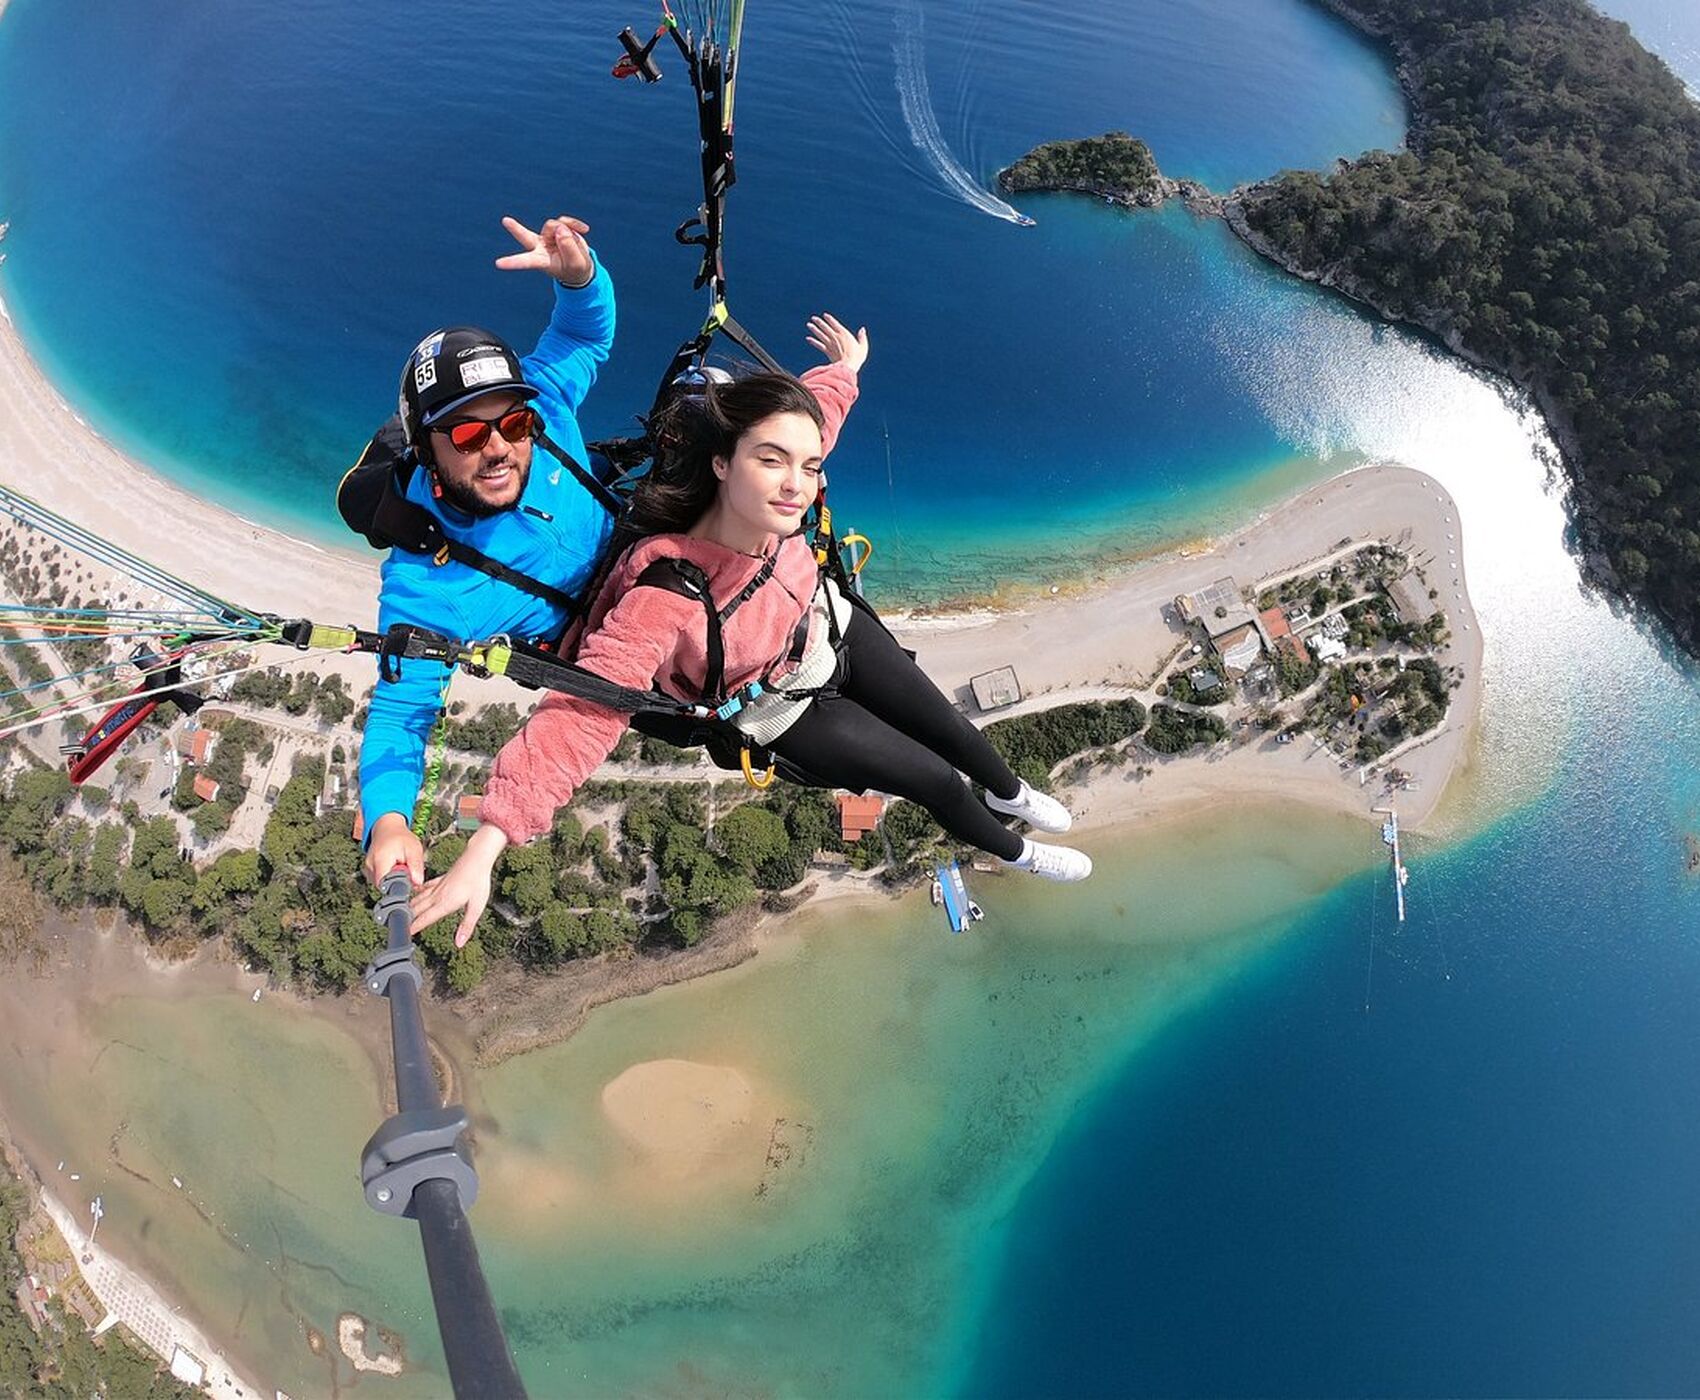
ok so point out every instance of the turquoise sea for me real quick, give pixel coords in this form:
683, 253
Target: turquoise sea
1214, 1126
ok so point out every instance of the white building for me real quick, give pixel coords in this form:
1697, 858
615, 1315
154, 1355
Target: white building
188, 1368
1327, 649
1239, 649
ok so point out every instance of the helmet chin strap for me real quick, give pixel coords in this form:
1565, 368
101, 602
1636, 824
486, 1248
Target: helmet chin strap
428, 462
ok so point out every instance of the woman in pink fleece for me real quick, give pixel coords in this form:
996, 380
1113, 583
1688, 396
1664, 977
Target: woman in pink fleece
738, 471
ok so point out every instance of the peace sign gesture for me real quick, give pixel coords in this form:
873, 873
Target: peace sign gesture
558, 248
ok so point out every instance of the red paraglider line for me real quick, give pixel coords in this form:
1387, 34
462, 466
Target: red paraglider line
115, 726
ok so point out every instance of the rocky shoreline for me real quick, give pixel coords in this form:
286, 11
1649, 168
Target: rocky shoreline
1195, 196
1232, 209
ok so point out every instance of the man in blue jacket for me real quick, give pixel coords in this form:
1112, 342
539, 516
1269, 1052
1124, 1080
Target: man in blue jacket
502, 454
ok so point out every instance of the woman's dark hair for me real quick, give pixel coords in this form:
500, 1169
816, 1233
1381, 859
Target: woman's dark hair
696, 428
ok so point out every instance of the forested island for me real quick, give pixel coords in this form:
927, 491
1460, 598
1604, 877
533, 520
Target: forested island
1545, 224
1115, 166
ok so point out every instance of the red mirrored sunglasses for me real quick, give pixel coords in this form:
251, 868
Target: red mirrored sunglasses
470, 434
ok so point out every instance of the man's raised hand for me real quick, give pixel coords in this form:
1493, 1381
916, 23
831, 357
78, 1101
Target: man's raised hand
558, 248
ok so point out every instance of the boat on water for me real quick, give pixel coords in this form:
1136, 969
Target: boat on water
958, 908
937, 892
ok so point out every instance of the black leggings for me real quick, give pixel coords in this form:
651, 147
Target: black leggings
888, 728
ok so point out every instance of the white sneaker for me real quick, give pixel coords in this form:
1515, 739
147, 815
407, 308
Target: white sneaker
1063, 864
1035, 808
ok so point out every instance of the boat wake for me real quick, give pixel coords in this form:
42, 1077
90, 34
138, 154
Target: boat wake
923, 123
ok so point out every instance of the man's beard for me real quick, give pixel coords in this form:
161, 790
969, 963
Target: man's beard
463, 496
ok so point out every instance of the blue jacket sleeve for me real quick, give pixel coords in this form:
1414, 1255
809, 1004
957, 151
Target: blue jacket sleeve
578, 338
401, 712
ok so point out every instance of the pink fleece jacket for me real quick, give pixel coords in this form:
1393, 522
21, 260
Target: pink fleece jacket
644, 636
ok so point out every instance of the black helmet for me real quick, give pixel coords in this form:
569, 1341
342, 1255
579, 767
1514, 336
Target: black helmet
451, 367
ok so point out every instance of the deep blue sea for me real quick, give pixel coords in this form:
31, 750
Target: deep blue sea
1454, 1158
1451, 1159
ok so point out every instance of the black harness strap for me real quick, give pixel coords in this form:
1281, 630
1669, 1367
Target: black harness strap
408, 525
748, 591
709, 80
599, 490
538, 668
533, 666
800, 639
466, 554
748, 344
688, 580
404, 640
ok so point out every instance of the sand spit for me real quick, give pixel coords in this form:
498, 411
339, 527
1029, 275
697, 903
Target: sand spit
681, 1116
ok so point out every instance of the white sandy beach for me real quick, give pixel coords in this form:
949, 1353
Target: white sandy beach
49, 453
1111, 641
132, 1300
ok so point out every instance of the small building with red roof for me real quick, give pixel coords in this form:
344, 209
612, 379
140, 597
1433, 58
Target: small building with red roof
857, 816
1280, 633
196, 745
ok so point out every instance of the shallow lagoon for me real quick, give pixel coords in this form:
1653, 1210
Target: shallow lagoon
921, 1076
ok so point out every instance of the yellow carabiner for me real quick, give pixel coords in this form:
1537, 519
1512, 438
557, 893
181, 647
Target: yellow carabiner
823, 531
761, 784
867, 552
